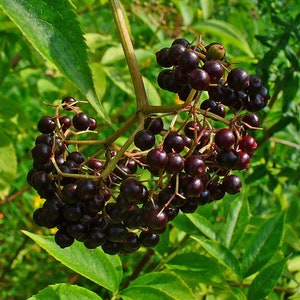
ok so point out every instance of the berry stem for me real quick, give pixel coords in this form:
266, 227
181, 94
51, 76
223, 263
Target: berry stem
136, 76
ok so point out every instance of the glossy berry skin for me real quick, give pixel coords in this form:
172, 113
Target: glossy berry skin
144, 139
41, 153
156, 220
162, 58
194, 165
86, 189
188, 60
46, 124
132, 190
156, 159
192, 129
214, 69
232, 184
174, 52
155, 125
81, 121
65, 122
68, 102
63, 239
224, 138
252, 120
148, 238
192, 187
173, 142
199, 79
238, 79
116, 232
228, 158
94, 238
181, 41
175, 163
247, 144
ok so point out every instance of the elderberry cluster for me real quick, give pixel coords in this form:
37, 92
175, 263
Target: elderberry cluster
204, 69
123, 200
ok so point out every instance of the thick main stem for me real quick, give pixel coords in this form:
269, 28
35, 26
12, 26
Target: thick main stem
136, 76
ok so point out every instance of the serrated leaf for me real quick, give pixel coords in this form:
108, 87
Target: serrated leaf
8, 164
264, 282
263, 245
53, 29
64, 291
158, 285
227, 31
236, 222
221, 253
95, 265
201, 268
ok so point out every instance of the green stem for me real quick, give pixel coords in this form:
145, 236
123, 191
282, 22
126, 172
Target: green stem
136, 76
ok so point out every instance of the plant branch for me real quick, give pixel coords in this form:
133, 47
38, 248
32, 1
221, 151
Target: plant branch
136, 76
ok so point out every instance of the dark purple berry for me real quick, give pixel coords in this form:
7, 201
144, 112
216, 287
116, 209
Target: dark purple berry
63, 239
173, 142
162, 58
238, 79
144, 139
224, 138
46, 124
154, 124
199, 79
81, 121
232, 184
156, 159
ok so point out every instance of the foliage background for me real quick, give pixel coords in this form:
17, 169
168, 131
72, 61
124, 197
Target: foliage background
263, 36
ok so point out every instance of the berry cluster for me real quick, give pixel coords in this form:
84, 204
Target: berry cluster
178, 161
204, 69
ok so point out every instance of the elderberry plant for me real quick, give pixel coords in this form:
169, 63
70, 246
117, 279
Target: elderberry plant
192, 153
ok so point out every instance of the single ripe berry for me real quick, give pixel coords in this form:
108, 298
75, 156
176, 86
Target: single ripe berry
228, 158
63, 239
132, 190
81, 121
247, 144
65, 123
148, 238
157, 220
214, 69
116, 232
154, 124
232, 184
181, 41
86, 189
175, 163
199, 79
162, 58
238, 79
156, 159
94, 238
192, 187
173, 142
194, 165
46, 124
174, 52
144, 139
192, 129
251, 120
224, 138
41, 153
68, 103
188, 60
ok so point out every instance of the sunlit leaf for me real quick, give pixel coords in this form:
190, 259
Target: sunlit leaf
53, 29
64, 291
95, 265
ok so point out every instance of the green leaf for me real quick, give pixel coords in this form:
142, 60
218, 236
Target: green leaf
199, 267
203, 225
53, 29
95, 265
221, 253
64, 291
7, 170
264, 282
237, 220
292, 57
227, 32
263, 245
158, 285
207, 7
